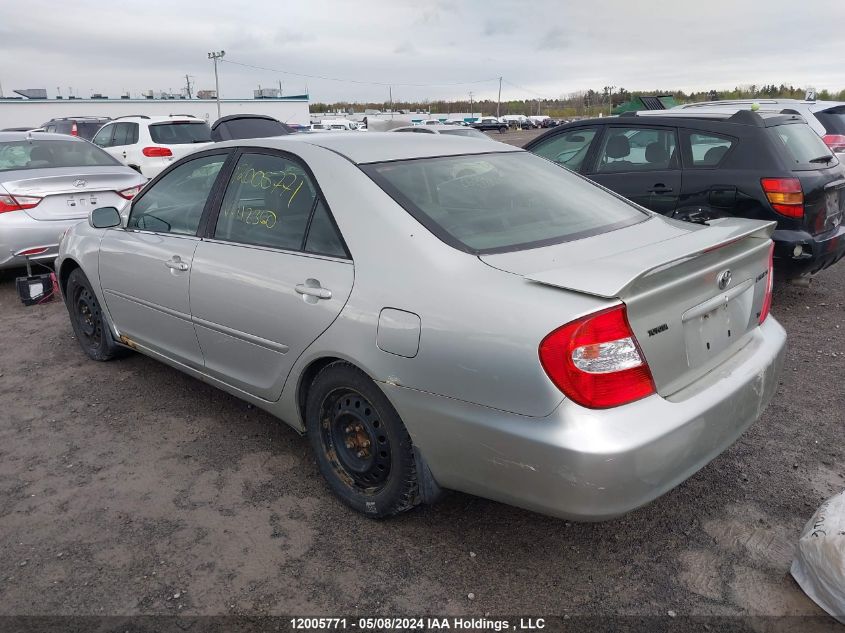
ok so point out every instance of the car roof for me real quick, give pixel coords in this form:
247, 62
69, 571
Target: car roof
376, 147
714, 118
434, 127
812, 106
6, 137
157, 118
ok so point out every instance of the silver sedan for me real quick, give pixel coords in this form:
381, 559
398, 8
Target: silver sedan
49, 182
441, 313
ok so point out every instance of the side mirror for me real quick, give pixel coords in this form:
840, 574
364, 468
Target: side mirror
104, 218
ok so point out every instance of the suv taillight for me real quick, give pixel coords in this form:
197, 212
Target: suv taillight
770, 285
785, 195
596, 361
74, 131
836, 142
17, 203
156, 152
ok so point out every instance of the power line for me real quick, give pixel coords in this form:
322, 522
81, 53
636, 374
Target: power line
357, 81
534, 92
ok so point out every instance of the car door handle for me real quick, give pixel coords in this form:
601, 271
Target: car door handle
176, 263
313, 290
660, 188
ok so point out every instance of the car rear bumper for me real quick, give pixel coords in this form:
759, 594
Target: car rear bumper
594, 464
818, 251
18, 232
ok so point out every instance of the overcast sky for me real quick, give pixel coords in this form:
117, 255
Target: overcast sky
545, 48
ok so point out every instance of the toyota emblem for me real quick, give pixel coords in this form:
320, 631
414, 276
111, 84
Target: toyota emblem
724, 279
80, 183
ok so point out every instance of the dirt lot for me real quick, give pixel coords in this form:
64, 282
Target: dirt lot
127, 487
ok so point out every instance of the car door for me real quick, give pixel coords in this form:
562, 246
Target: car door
145, 267
270, 276
569, 148
709, 191
642, 163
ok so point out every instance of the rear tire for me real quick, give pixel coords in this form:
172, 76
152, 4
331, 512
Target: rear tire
87, 319
362, 448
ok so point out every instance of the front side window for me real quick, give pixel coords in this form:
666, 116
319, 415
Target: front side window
637, 149
175, 203
268, 202
46, 154
708, 150
104, 136
489, 203
568, 149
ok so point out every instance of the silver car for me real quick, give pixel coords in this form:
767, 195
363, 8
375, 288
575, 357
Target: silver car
448, 130
441, 313
49, 182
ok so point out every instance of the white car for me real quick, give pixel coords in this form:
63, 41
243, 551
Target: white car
151, 143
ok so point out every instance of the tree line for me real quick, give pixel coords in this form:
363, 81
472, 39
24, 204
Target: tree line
581, 103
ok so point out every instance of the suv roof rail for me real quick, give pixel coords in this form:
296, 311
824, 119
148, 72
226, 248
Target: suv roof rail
131, 116
71, 118
190, 116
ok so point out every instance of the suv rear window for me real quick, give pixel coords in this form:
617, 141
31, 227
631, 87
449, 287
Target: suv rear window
833, 119
489, 203
803, 146
180, 133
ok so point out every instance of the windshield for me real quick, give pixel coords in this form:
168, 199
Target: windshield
487, 203
466, 131
804, 148
44, 154
180, 133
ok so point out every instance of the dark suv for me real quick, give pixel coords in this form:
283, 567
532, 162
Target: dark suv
700, 167
82, 126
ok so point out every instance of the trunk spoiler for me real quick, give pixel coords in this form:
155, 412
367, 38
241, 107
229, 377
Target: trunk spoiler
612, 275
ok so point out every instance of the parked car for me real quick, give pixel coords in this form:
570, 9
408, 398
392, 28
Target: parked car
549, 123
486, 124
241, 126
827, 118
513, 331
449, 130
703, 166
83, 126
148, 144
49, 182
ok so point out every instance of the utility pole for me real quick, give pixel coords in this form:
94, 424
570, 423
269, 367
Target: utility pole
390, 89
499, 100
609, 90
280, 87
471, 113
215, 55
188, 86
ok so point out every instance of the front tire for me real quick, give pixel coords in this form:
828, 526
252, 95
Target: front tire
87, 319
362, 448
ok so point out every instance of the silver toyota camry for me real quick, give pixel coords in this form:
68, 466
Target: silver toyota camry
441, 313
48, 182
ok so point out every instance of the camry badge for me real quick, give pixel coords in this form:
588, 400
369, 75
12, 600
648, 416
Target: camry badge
724, 279
80, 183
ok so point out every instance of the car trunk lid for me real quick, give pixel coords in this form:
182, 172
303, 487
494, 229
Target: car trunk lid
72, 195
671, 276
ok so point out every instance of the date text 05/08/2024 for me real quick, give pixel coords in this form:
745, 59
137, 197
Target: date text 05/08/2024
422, 624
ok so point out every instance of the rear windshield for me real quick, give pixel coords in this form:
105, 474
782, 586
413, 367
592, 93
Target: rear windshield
833, 119
490, 203
804, 148
180, 133
41, 154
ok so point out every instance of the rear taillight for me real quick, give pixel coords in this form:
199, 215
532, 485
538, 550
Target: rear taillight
74, 131
836, 142
770, 285
156, 152
17, 203
596, 361
785, 195
129, 193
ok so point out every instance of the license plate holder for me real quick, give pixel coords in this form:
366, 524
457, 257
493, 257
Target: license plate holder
718, 324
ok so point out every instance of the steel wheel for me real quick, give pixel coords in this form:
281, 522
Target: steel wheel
88, 317
355, 439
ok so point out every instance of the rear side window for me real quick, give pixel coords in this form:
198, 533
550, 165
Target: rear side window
41, 154
125, 134
268, 202
637, 149
709, 150
488, 203
87, 129
568, 149
180, 133
802, 147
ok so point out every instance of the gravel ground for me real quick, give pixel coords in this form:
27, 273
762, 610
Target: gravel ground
130, 488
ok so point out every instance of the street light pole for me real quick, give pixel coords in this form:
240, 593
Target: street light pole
214, 56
